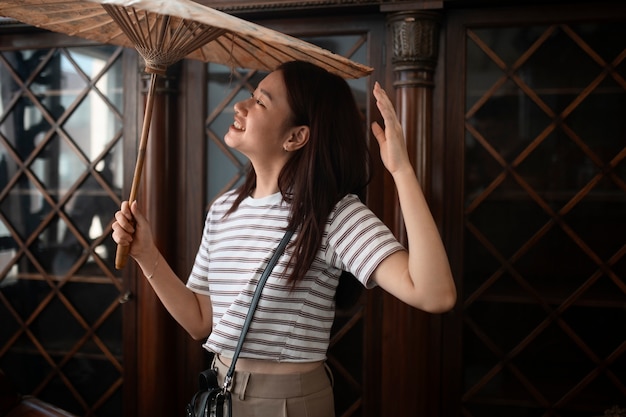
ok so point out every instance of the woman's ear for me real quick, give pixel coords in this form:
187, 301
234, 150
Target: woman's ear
298, 138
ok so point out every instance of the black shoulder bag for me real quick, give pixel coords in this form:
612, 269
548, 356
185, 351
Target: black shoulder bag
212, 400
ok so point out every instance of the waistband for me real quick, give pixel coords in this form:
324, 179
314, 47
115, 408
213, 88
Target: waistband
275, 385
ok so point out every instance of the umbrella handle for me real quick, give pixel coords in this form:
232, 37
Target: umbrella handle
121, 254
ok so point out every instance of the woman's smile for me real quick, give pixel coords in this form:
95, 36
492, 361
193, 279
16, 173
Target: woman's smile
238, 126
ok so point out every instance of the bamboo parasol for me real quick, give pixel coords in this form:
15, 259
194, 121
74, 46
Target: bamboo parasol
166, 31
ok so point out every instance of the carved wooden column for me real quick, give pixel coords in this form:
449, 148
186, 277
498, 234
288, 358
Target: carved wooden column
415, 43
409, 388
157, 332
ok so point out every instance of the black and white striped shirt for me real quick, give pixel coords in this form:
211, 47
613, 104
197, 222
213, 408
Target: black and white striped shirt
290, 325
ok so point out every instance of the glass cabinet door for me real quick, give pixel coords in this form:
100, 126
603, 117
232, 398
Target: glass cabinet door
61, 114
544, 323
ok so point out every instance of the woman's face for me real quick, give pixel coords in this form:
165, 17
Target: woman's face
262, 123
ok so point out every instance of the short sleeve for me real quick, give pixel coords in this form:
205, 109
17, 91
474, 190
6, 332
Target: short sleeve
358, 241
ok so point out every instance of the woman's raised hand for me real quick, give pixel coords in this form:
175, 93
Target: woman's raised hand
393, 150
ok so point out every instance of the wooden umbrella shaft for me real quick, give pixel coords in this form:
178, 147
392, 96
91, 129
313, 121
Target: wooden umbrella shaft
121, 255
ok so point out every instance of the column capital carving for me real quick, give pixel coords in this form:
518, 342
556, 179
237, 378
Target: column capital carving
415, 40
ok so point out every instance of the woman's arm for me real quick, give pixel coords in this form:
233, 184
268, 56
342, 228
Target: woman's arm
191, 310
421, 278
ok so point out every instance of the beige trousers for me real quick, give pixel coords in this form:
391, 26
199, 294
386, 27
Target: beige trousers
293, 395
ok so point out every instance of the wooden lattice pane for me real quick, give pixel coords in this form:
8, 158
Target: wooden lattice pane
60, 171
544, 231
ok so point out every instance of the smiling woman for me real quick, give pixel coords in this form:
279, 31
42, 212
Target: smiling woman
301, 128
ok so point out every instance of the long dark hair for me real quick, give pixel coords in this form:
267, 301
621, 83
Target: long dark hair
335, 161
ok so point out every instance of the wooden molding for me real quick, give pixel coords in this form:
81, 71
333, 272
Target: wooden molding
285, 5
281, 5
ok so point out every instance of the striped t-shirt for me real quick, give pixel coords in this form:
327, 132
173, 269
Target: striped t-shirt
289, 325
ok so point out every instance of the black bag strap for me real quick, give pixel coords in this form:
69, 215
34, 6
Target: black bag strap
255, 300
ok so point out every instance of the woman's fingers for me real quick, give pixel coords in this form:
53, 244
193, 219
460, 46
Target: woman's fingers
390, 137
384, 104
124, 225
125, 219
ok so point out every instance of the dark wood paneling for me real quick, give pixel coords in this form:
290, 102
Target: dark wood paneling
452, 166
190, 198
131, 130
155, 327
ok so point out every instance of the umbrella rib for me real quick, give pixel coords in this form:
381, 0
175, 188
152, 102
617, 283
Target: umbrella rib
293, 54
205, 36
102, 23
239, 41
144, 41
277, 57
163, 22
234, 62
190, 35
161, 41
123, 21
94, 12
180, 35
183, 31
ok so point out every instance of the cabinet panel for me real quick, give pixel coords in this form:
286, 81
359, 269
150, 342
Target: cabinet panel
61, 120
543, 321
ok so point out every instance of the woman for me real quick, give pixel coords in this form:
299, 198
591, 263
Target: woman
302, 133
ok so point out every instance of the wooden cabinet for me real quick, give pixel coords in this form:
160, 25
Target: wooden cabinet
62, 303
514, 120
535, 101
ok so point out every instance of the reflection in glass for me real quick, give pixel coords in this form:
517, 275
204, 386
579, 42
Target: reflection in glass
60, 178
